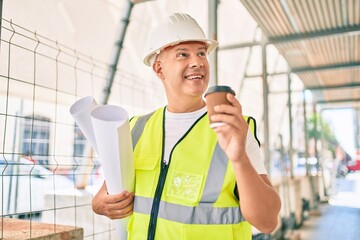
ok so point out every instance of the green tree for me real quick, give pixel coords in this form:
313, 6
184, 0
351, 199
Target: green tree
322, 131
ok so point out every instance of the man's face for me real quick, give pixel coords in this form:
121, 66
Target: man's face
183, 69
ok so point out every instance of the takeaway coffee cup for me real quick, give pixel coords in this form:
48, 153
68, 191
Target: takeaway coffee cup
216, 95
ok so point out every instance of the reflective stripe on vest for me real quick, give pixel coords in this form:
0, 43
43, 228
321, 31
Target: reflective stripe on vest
138, 128
202, 214
217, 169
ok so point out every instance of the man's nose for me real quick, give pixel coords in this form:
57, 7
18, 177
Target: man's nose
196, 62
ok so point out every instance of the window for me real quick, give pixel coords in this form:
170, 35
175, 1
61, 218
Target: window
79, 142
36, 138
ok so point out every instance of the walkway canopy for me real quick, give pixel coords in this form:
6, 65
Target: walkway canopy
320, 41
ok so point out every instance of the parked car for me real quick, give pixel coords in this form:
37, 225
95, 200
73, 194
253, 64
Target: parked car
23, 186
353, 166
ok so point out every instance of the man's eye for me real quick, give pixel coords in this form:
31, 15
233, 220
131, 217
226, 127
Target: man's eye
182, 55
202, 54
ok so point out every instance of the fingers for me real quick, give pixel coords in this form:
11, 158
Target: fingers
232, 99
118, 200
229, 114
113, 206
234, 108
119, 206
115, 198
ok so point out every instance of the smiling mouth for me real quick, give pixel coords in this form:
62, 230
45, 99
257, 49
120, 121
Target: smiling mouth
194, 77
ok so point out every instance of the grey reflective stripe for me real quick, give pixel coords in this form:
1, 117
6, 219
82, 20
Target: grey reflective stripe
216, 175
202, 214
139, 128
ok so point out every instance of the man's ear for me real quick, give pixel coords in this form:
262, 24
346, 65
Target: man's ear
157, 67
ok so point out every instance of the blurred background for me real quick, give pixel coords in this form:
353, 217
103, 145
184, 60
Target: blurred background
295, 67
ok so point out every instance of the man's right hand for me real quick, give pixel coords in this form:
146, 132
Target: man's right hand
113, 206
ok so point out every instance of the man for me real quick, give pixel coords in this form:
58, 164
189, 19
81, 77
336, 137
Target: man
192, 182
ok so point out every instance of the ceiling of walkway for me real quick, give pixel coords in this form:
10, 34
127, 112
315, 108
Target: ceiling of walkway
320, 39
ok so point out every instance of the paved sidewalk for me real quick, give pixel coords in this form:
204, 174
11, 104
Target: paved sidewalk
340, 219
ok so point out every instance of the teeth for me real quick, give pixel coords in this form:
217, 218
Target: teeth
194, 77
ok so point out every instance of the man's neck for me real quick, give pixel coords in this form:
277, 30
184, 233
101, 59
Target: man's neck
183, 107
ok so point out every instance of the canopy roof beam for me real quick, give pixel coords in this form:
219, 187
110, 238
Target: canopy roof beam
326, 67
319, 34
350, 85
339, 100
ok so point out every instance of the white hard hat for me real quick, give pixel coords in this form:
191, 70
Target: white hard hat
177, 28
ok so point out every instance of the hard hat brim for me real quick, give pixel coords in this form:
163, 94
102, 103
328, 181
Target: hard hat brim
211, 45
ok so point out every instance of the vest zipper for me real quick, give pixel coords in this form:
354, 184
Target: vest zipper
156, 201
159, 188
161, 182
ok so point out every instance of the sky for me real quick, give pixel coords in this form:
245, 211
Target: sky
342, 123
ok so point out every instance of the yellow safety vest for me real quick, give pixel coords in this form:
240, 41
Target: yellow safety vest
193, 197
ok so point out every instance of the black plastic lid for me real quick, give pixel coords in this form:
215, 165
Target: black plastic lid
219, 89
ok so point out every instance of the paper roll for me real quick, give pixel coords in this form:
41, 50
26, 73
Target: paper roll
81, 111
112, 133
108, 131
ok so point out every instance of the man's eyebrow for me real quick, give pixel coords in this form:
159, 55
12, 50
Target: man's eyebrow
187, 49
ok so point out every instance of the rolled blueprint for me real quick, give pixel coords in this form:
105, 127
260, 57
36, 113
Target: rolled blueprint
112, 133
113, 139
107, 129
80, 111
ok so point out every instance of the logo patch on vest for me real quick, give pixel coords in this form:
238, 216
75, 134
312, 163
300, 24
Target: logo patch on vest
185, 186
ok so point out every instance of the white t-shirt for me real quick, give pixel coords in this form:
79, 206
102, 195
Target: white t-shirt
176, 125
